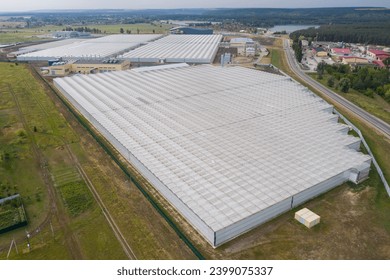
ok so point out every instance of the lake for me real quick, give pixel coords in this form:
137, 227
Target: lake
290, 28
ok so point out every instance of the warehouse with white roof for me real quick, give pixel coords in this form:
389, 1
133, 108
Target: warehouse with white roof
177, 49
230, 148
99, 48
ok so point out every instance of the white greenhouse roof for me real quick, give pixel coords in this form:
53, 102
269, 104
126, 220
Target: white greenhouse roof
228, 142
53, 44
98, 48
241, 40
178, 48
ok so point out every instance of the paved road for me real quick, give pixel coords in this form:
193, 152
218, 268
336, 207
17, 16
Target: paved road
374, 121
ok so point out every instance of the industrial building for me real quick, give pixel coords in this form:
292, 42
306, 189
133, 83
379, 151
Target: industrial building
245, 46
320, 52
64, 68
177, 49
92, 49
378, 54
229, 147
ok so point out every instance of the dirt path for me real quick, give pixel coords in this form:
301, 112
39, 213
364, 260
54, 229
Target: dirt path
126, 247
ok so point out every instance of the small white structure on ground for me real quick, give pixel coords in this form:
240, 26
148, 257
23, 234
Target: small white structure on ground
230, 148
307, 217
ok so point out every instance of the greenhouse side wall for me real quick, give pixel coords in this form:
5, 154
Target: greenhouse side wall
245, 225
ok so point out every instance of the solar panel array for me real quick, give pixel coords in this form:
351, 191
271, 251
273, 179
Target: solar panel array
228, 142
177, 49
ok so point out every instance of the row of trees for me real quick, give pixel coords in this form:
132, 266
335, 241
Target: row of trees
367, 80
83, 29
128, 31
297, 47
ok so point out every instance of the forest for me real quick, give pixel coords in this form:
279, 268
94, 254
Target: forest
316, 16
350, 33
251, 17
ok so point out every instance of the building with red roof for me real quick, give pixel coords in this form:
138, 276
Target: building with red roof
340, 51
378, 54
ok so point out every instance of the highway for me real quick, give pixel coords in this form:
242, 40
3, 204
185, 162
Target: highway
359, 112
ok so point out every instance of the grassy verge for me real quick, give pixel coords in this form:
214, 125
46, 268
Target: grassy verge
376, 106
276, 57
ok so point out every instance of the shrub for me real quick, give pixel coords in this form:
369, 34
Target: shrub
344, 84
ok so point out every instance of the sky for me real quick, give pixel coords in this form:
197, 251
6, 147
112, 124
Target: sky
28, 5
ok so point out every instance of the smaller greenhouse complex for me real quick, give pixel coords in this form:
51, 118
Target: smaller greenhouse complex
178, 49
229, 147
99, 48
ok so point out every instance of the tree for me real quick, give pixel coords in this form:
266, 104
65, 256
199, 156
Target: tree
387, 62
128, 31
321, 68
121, 30
331, 81
387, 96
298, 50
344, 84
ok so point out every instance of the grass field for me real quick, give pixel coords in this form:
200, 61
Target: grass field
8, 36
13, 36
134, 28
32, 137
15, 149
275, 57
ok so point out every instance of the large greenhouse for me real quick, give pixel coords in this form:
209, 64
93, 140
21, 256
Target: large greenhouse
177, 49
230, 148
98, 48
